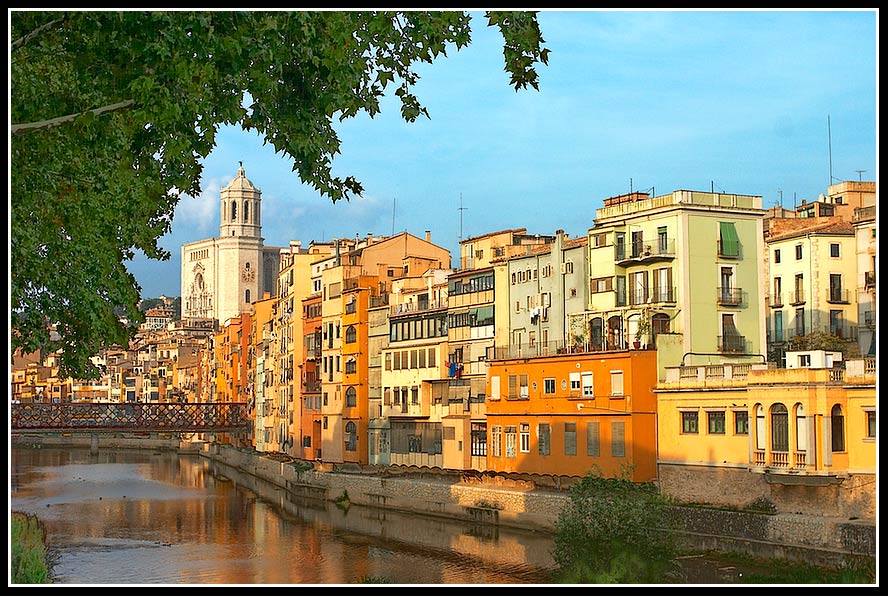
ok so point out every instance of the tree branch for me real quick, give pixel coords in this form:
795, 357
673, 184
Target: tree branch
23, 40
20, 128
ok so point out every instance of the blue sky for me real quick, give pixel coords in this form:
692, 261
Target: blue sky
760, 103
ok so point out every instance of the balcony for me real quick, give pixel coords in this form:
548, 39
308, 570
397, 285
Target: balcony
869, 319
662, 249
797, 298
869, 280
730, 296
730, 250
663, 295
775, 300
414, 307
732, 344
838, 296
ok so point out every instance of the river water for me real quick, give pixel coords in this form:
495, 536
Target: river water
131, 517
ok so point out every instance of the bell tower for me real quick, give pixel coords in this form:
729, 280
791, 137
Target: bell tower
239, 212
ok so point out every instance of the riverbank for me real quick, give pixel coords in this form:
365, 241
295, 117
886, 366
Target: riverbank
30, 557
808, 540
501, 501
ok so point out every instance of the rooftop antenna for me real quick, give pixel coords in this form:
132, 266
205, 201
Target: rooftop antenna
829, 147
630, 185
780, 200
859, 175
394, 200
461, 209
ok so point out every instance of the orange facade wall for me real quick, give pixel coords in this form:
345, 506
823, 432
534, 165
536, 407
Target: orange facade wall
578, 413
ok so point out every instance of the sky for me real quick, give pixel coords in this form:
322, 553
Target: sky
777, 104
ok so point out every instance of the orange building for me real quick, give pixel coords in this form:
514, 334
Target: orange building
571, 413
355, 358
310, 378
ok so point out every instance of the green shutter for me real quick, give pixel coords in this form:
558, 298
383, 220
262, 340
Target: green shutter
730, 243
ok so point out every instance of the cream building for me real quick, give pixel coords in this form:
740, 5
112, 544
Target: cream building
222, 276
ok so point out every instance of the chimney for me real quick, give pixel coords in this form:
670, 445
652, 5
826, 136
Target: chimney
428, 235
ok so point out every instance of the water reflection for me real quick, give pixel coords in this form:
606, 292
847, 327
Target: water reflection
130, 517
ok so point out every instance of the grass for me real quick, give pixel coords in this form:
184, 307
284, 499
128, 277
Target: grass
775, 571
30, 557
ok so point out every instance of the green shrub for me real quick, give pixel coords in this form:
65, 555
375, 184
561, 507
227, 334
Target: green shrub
613, 530
29, 552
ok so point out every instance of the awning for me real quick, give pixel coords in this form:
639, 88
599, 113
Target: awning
730, 242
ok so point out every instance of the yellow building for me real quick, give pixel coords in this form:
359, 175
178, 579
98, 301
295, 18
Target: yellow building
812, 286
801, 437
680, 272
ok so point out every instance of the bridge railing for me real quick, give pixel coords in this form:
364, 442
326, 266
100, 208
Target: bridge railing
188, 417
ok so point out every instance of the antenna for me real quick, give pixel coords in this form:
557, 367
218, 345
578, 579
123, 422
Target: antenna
394, 200
829, 147
461, 209
859, 173
780, 194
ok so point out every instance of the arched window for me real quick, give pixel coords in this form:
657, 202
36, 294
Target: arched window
614, 333
659, 324
597, 328
351, 437
247, 266
838, 428
801, 428
759, 428
351, 397
351, 335
247, 296
779, 428
246, 212
233, 210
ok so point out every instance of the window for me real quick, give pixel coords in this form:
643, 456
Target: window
779, 428
479, 439
616, 382
496, 439
593, 439
543, 439
511, 441
801, 426
247, 296
494, 387
834, 250
570, 438
838, 428
574, 382
716, 422
870, 424
759, 428
618, 439
549, 386
524, 436
798, 252
800, 321
351, 335
351, 437
776, 255
729, 242
351, 397
741, 423
518, 387
689, 423
588, 389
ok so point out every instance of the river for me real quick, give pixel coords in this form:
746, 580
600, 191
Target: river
130, 517
142, 517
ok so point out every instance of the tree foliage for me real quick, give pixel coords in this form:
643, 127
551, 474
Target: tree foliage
113, 112
614, 530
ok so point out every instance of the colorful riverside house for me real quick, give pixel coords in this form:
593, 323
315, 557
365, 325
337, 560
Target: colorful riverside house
864, 222
355, 364
802, 437
537, 291
407, 428
310, 378
386, 258
573, 413
264, 343
812, 283
680, 272
294, 283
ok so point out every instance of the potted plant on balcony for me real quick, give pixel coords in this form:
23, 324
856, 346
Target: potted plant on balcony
643, 328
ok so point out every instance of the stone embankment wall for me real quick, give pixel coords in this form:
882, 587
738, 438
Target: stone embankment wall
816, 540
